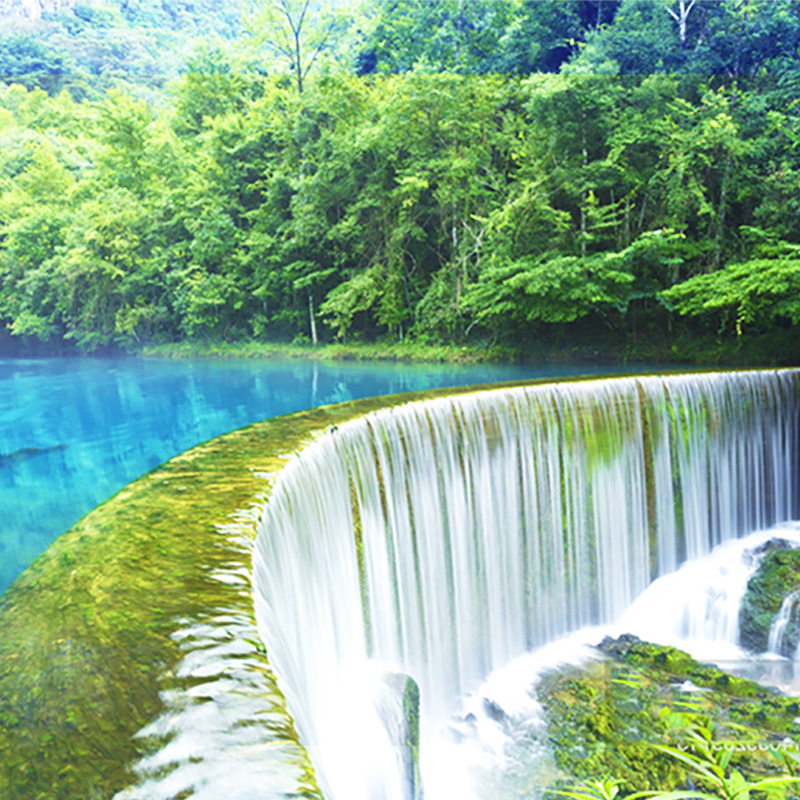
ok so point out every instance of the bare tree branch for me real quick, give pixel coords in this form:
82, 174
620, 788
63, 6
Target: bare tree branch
298, 31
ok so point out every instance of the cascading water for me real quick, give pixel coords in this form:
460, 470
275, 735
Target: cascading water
443, 539
697, 607
777, 634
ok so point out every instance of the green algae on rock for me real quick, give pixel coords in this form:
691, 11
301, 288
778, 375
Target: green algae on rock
91, 630
609, 717
777, 576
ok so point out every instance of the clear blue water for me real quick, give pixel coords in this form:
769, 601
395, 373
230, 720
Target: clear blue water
75, 431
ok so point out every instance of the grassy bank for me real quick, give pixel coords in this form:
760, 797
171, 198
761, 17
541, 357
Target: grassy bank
774, 348
585, 341
373, 351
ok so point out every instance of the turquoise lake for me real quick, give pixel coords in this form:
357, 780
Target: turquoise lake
74, 431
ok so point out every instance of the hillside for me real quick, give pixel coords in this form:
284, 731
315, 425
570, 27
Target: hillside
91, 46
459, 172
33, 9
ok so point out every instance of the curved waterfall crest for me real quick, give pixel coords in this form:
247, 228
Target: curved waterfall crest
443, 538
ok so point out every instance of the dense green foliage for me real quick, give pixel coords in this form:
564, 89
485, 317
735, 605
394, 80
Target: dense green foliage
733, 38
630, 715
304, 201
90, 47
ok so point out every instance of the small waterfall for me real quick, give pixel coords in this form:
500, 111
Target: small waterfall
445, 538
696, 608
777, 632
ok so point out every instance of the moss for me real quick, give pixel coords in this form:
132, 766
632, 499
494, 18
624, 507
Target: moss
87, 630
608, 718
603, 721
777, 576
669, 664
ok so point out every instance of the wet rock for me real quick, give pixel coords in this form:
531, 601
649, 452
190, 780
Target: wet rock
493, 710
757, 553
619, 647
399, 711
610, 717
777, 576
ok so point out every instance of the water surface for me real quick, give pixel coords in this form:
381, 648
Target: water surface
74, 431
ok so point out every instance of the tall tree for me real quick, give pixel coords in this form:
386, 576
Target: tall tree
296, 32
437, 36
681, 12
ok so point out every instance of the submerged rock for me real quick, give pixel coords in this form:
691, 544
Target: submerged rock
493, 710
777, 576
27, 453
399, 711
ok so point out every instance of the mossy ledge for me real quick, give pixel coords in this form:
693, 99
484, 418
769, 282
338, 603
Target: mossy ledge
777, 576
89, 629
608, 717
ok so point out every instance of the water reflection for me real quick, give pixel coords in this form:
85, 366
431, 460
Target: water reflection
74, 431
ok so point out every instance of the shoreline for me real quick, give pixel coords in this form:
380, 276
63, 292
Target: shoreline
442, 354
771, 349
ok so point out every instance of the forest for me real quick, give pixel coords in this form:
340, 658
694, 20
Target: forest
603, 177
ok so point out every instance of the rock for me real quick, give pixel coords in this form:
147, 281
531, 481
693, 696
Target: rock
619, 647
777, 576
493, 710
769, 547
399, 710
609, 717
26, 453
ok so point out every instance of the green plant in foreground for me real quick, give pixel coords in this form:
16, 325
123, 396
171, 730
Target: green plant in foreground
709, 762
606, 789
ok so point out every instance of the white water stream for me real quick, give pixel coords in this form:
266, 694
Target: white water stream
695, 608
446, 539
788, 609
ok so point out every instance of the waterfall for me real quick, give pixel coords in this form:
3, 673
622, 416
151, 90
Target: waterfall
696, 607
443, 539
777, 632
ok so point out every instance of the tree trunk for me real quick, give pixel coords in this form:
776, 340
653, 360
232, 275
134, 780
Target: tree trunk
682, 17
298, 62
584, 202
626, 228
311, 319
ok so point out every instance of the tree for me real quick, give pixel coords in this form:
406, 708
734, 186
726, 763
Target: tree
541, 37
549, 288
296, 32
758, 292
680, 13
27, 60
747, 38
641, 40
437, 36
210, 88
